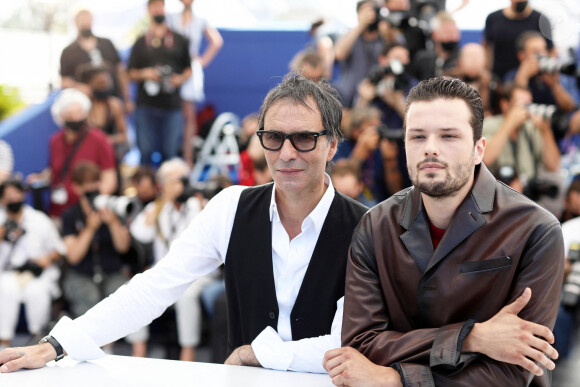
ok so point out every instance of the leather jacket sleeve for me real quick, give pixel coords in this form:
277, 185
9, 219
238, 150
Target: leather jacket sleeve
432, 356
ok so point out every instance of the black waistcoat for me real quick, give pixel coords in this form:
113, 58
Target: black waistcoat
249, 277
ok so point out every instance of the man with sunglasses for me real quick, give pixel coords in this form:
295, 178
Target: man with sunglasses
284, 246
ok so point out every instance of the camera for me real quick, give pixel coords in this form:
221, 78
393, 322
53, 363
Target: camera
536, 188
571, 288
559, 120
166, 72
395, 67
390, 134
122, 206
13, 231
506, 174
550, 65
208, 189
31, 267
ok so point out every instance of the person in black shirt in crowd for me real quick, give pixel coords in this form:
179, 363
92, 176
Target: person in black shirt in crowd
503, 27
94, 240
160, 63
89, 50
443, 58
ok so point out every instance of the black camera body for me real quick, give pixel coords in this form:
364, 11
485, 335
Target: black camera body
559, 120
390, 134
536, 188
13, 231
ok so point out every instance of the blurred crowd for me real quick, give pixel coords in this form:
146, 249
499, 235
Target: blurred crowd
106, 222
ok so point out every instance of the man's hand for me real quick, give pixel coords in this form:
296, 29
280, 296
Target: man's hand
366, 16
516, 117
93, 221
108, 217
506, 337
36, 356
348, 367
243, 356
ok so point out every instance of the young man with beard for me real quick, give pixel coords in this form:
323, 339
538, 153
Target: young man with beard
438, 273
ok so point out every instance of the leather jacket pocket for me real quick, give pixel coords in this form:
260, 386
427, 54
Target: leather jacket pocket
486, 265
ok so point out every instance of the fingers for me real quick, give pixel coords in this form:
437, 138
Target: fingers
530, 366
541, 331
540, 358
545, 348
12, 362
520, 303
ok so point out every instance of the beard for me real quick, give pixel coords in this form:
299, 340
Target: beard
448, 186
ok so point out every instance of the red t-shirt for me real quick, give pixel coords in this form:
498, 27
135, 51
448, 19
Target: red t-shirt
95, 148
436, 234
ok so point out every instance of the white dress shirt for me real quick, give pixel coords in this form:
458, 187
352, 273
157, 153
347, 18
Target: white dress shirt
199, 250
40, 238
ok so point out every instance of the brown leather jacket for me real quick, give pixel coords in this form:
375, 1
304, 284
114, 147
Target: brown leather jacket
410, 307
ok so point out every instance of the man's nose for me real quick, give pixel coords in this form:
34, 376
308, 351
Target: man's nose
431, 146
288, 152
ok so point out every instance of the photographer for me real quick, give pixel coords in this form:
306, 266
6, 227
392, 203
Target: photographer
95, 240
396, 25
160, 64
519, 139
357, 51
387, 85
161, 222
442, 59
30, 248
378, 157
543, 81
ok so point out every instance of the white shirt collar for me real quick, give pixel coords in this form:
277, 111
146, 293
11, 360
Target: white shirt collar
318, 215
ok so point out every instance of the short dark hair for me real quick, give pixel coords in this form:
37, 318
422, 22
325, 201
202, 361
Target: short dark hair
344, 167
85, 172
523, 38
143, 172
298, 89
11, 182
507, 91
449, 88
387, 47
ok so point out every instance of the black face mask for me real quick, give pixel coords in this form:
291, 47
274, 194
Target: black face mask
14, 207
470, 79
102, 95
75, 126
86, 33
521, 6
449, 46
159, 19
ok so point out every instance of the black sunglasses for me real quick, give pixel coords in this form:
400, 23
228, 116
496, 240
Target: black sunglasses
301, 141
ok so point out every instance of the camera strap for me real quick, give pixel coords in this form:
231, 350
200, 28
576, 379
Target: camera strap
514, 146
69, 157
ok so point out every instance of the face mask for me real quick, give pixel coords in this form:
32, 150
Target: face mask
75, 126
159, 19
102, 95
449, 46
86, 33
469, 79
521, 6
14, 207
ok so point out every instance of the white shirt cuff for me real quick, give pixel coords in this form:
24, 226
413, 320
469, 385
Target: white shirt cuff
77, 344
270, 350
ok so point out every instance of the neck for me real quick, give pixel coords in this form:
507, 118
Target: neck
158, 30
15, 217
511, 14
70, 136
294, 208
441, 210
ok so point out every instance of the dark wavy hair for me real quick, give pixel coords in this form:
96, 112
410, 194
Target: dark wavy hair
449, 88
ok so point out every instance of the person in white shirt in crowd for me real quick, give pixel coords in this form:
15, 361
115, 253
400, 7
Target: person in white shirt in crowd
6, 161
284, 246
161, 222
30, 248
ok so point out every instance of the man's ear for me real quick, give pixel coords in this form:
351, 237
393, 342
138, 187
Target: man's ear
332, 149
479, 150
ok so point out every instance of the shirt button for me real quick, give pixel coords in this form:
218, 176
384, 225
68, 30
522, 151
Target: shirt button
272, 315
